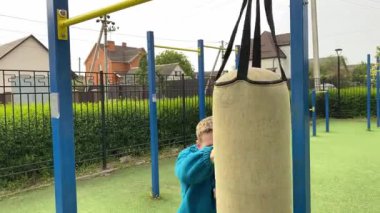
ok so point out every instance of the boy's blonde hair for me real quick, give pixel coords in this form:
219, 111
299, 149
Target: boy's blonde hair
204, 126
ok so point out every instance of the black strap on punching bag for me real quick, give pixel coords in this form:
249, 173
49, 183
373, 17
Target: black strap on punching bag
232, 40
246, 44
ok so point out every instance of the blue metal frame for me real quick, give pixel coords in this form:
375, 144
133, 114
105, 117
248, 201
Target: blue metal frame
62, 114
201, 81
368, 92
378, 92
327, 110
153, 114
314, 111
300, 106
237, 56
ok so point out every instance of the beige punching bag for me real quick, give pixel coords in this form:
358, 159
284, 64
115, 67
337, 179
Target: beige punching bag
251, 118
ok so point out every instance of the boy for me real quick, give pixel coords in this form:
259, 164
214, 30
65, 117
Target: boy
195, 170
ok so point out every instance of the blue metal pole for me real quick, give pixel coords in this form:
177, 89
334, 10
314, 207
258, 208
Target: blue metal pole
237, 56
327, 110
378, 92
369, 92
153, 115
314, 111
201, 81
61, 113
300, 106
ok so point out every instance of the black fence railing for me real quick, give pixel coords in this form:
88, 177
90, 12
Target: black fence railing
348, 98
111, 119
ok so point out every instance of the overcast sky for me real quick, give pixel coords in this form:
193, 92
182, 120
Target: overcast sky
348, 24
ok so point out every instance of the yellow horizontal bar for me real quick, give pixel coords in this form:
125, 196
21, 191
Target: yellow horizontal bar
100, 12
177, 48
217, 48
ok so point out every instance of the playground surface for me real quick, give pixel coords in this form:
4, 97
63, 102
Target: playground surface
345, 178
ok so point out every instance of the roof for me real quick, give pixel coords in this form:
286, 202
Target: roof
167, 69
5, 49
121, 54
268, 49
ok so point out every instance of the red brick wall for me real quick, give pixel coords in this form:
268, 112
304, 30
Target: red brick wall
112, 66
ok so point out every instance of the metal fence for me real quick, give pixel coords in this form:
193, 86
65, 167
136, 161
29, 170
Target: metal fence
110, 119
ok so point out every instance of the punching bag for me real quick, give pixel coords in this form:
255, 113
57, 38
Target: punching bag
251, 118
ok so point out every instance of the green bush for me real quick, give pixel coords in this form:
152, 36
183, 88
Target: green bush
25, 133
353, 103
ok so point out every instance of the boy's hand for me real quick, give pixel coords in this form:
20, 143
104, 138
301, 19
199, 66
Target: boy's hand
212, 156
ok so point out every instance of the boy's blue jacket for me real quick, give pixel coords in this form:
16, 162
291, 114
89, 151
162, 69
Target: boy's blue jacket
195, 171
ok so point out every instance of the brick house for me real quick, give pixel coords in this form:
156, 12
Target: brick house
121, 59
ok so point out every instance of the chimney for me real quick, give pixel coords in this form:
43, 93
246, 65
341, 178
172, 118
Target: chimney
123, 44
111, 46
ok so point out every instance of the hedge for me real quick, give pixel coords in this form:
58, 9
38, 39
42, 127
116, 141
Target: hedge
25, 137
353, 103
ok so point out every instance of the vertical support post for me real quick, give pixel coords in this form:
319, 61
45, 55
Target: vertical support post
103, 117
61, 112
369, 92
237, 56
327, 110
378, 92
201, 81
300, 106
314, 111
153, 115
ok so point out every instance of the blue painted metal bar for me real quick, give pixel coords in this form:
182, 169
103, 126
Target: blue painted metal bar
153, 115
61, 114
378, 92
237, 56
201, 81
314, 111
327, 110
300, 106
369, 92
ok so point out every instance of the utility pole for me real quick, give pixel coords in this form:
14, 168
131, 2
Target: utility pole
107, 26
314, 23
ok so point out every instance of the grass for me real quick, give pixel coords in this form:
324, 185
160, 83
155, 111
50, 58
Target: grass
345, 177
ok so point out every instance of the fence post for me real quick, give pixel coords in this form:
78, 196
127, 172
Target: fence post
103, 118
201, 81
153, 115
183, 109
327, 110
378, 92
314, 111
369, 92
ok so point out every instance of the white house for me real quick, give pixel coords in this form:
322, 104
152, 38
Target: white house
24, 68
268, 52
167, 72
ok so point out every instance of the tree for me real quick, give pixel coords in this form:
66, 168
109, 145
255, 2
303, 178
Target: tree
170, 56
359, 73
166, 57
329, 69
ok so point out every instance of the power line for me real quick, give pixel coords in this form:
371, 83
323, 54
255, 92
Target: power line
95, 30
363, 6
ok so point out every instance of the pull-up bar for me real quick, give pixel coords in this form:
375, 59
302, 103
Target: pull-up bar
64, 22
201, 70
219, 48
61, 97
177, 48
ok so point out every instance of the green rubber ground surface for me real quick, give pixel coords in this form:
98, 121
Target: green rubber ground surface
345, 176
